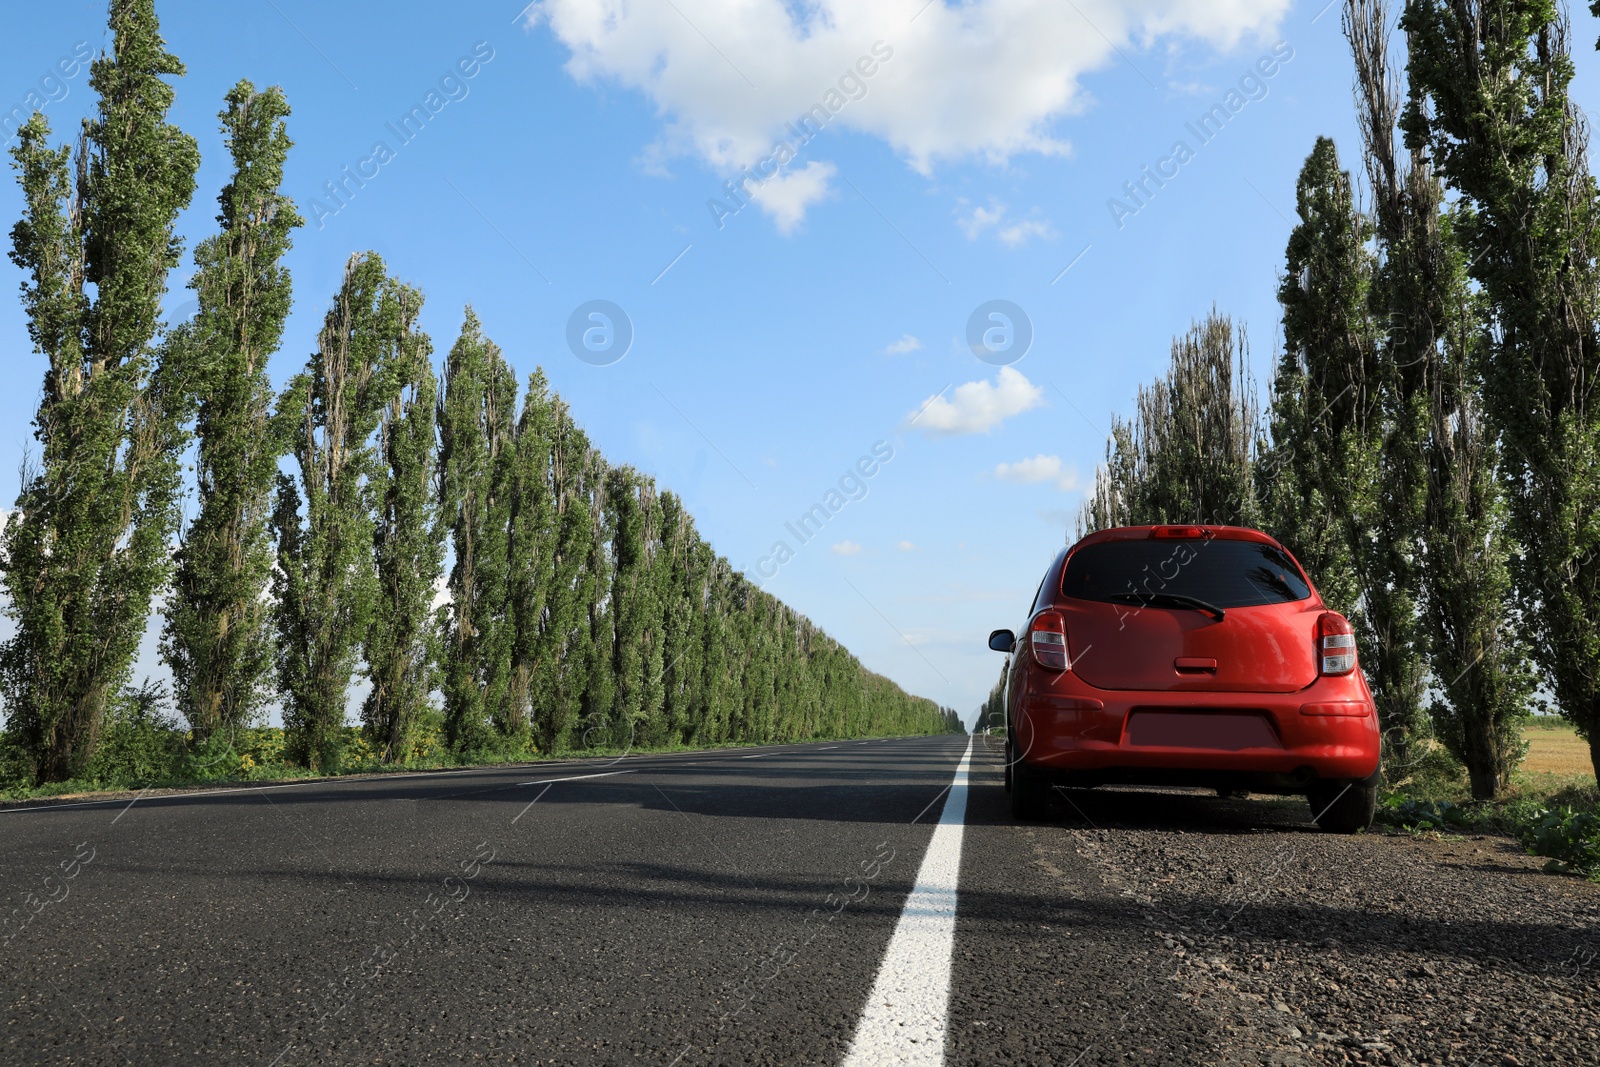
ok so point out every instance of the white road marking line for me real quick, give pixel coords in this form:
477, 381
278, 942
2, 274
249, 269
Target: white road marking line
908, 1010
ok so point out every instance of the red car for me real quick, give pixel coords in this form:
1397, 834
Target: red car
1188, 655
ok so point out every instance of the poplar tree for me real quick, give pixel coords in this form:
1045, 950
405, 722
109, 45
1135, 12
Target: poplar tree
408, 541
1441, 528
217, 636
600, 687
563, 651
1324, 395
1188, 455
1488, 100
684, 563
1348, 439
86, 549
534, 535
476, 450
628, 504
325, 584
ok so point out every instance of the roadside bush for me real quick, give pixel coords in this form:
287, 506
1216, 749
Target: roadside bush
13, 764
1414, 815
1570, 838
141, 742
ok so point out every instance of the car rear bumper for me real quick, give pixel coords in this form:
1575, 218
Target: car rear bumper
1073, 733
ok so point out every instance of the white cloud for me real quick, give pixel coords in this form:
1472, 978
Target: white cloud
978, 407
1040, 468
905, 546
986, 79
980, 218
906, 344
786, 197
847, 548
1017, 235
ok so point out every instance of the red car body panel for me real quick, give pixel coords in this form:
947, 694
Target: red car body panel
1162, 694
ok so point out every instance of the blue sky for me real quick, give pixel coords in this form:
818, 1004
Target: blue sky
778, 341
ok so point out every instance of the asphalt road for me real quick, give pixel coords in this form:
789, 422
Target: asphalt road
728, 907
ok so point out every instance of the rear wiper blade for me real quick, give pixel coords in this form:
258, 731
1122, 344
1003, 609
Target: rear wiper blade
1172, 600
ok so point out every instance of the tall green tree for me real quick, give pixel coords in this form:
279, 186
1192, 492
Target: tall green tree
1188, 455
1482, 670
408, 540
534, 536
476, 464
632, 517
600, 687
1313, 407
562, 649
1325, 391
325, 584
683, 586
86, 549
1488, 100
217, 636
1406, 301
1441, 530
1350, 456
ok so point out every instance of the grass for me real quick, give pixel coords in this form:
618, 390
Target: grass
1555, 748
1552, 805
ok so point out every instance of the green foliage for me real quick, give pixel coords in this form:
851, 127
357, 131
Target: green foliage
992, 715
1415, 816
1313, 408
534, 532
1570, 838
1188, 454
477, 462
86, 549
1489, 103
408, 538
142, 740
325, 584
217, 636
557, 645
1345, 434
1442, 544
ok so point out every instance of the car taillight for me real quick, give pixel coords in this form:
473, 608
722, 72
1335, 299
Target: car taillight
1047, 636
1336, 643
1176, 532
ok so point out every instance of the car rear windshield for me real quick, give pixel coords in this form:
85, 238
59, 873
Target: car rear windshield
1223, 573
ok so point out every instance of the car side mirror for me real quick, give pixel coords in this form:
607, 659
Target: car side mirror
1002, 640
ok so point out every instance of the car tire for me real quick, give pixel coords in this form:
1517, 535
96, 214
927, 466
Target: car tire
1009, 757
1344, 809
1030, 796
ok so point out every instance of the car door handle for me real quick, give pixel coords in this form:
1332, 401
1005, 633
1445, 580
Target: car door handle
1195, 663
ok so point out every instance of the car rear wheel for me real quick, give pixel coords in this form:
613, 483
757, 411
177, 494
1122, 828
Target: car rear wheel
1344, 809
1030, 796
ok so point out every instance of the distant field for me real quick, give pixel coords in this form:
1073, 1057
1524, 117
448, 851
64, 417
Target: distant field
1556, 748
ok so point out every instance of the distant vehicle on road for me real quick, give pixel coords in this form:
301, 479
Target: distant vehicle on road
1188, 655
